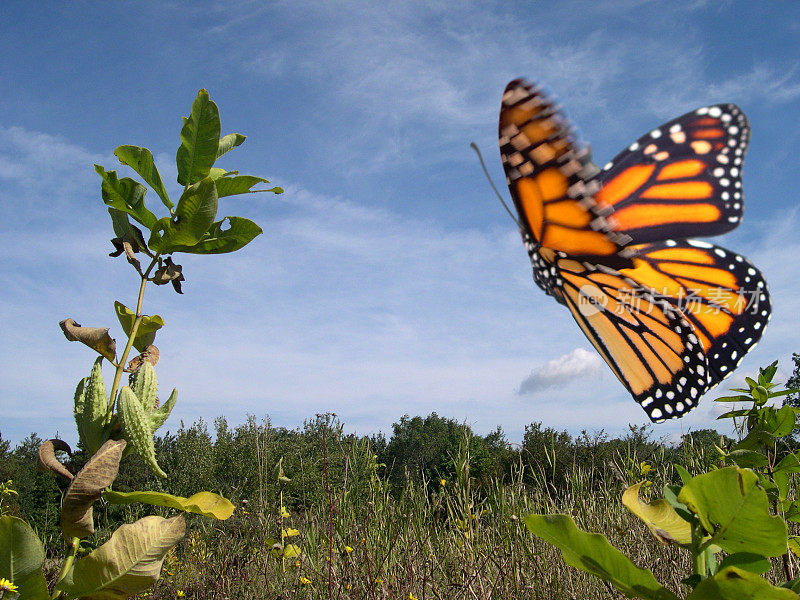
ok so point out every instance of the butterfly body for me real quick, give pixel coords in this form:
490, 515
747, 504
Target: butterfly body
667, 313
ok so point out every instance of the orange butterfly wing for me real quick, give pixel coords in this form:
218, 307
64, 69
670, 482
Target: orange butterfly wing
671, 318
548, 174
681, 180
719, 292
647, 342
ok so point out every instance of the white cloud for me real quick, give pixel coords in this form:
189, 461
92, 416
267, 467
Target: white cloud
562, 371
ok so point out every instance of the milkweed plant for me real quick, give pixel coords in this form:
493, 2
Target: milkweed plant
113, 423
731, 519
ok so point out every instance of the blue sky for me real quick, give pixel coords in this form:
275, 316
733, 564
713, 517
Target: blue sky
389, 280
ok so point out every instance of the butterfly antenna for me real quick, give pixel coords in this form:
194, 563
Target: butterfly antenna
474, 146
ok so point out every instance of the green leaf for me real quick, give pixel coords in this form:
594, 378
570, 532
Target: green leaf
126, 564
291, 551
779, 423
137, 429
229, 142
735, 413
146, 333
202, 503
732, 583
126, 195
239, 233
193, 216
747, 458
660, 517
671, 495
766, 374
84, 490
161, 414
794, 545
240, 184
781, 479
756, 438
199, 140
21, 559
141, 161
755, 563
789, 463
123, 227
734, 399
592, 553
682, 473
735, 511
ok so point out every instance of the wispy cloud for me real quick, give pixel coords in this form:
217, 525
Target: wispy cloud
562, 371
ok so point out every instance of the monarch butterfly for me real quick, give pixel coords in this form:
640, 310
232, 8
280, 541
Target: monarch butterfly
671, 316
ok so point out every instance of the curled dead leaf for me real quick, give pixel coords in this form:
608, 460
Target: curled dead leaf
129, 247
86, 487
96, 338
49, 462
169, 272
149, 354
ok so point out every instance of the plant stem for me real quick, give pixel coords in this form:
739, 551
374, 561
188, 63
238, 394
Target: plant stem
124, 358
74, 544
330, 508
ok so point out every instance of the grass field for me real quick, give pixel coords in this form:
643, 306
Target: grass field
339, 526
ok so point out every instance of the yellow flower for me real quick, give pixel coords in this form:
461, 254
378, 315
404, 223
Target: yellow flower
285, 513
348, 549
181, 593
442, 482
348, 587
378, 580
7, 586
411, 596
305, 581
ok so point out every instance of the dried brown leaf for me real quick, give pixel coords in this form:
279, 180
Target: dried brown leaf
96, 338
49, 462
86, 487
149, 354
169, 272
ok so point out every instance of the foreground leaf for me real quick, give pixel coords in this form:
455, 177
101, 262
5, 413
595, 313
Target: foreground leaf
21, 559
732, 583
592, 553
199, 140
659, 516
126, 564
735, 512
747, 561
85, 489
207, 504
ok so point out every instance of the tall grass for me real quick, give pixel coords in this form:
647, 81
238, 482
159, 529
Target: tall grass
433, 539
